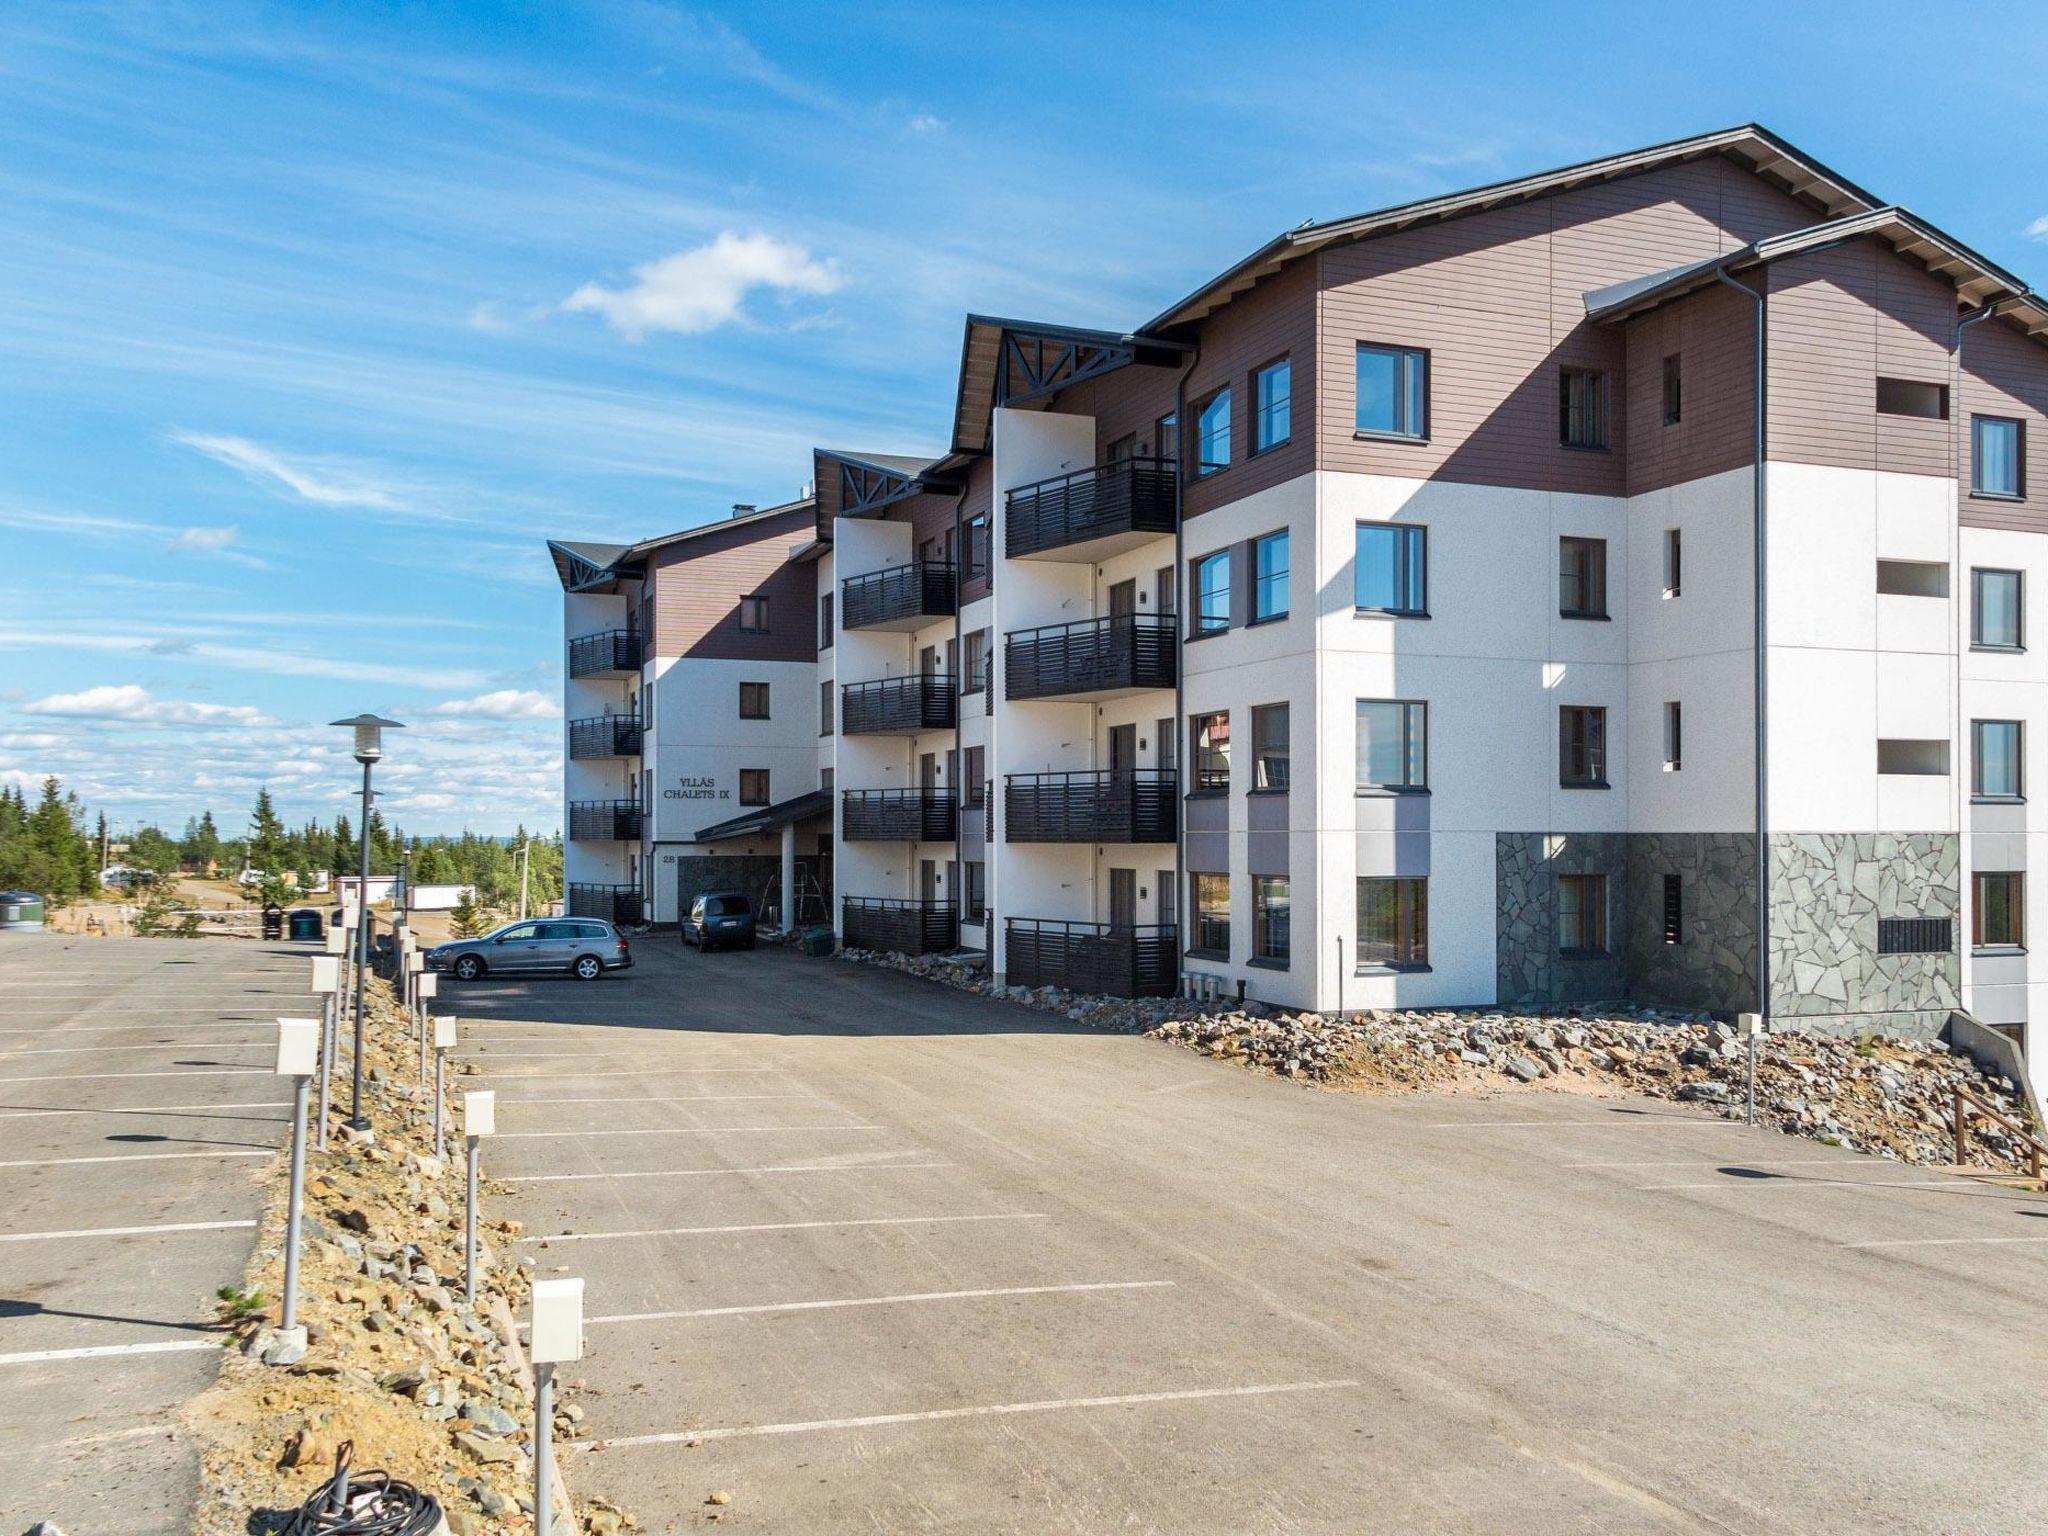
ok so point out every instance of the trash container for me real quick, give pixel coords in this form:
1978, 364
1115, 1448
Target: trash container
21, 909
273, 922
306, 926
819, 941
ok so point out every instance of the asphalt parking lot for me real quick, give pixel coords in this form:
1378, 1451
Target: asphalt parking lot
870, 1254
137, 1105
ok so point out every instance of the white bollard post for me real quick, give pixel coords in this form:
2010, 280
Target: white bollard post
1752, 1026
444, 1042
479, 1119
326, 985
298, 1057
557, 1337
427, 985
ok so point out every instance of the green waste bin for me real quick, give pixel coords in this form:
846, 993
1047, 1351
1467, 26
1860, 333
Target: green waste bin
819, 941
21, 909
306, 926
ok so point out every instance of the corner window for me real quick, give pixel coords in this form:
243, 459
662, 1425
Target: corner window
1392, 391
1269, 746
1582, 408
1997, 607
753, 786
1581, 578
1211, 905
1998, 910
1212, 593
1391, 569
753, 701
1998, 457
1209, 737
1272, 918
1393, 922
1272, 405
1582, 914
1674, 562
1912, 397
1269, 577
1393, 745
1674, 737
754, 615
1996, 769
1674, 391
1582, 747
1212, 434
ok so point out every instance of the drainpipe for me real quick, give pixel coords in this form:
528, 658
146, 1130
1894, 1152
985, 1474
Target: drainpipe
1182, 748
957, 895
1760, 494
1955, 435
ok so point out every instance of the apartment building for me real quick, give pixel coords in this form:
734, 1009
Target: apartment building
1606, 583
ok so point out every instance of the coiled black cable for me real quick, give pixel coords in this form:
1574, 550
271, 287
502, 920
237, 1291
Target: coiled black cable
372, 1504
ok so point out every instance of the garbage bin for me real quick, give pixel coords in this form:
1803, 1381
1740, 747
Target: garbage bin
306, 927
21, 909
819, 941
273, 922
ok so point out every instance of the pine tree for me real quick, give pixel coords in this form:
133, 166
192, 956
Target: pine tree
467, 920
266, 835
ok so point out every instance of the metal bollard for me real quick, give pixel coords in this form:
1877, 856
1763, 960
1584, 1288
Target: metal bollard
479, 1119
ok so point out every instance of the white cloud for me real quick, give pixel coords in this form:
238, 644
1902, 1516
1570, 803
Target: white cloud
209, 539
321, 483
130, 701
924, 125
505, 704
2038, 230
700, 289
489, 319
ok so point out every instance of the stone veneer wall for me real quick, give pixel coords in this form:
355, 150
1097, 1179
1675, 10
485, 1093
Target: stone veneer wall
1528, 969
1714, 964
1827, 892
753, 873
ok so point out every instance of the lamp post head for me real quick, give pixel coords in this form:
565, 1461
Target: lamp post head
369, 731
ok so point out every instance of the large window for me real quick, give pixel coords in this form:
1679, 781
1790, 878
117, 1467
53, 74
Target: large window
1393, 391
1582, 914
754, 615
1269, 577
1391, 563
1998, 457
1997, 608
1211, 903
1998, 913
1393, 922
1212, 593
1212, 434
753, 701
1995, 766
1272, 911
1582, 408
1581, 578
1209, 736
1272, 405
1393, 745
753, 786
1269, 746
975, 677
1582, 747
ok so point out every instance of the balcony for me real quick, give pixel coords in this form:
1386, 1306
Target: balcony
1091, 659
1091, 514
1135, 807
897, 816
610, 654
604, 736
604, 821
1093, 957
898, 706
614, 903
898, 927
904, 597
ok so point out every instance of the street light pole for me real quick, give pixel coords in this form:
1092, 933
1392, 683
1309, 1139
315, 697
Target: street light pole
369, 746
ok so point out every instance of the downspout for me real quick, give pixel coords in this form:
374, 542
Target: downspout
1760, 548
958, 895
1183, 752
1955, 434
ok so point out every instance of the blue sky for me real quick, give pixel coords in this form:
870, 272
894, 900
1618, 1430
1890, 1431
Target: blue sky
317, 320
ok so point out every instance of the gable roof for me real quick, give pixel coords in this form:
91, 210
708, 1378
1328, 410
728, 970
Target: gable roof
584, 566
812, 803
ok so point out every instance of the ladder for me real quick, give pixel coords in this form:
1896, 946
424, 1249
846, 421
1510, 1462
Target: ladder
810, 897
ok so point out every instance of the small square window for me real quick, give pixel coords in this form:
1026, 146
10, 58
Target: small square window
753, 786
754, 615
1392, 391
1390, 569
1393, 922
1392, 745
753, 701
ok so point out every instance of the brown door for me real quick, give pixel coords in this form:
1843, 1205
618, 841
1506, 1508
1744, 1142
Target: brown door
927, 880
1123, 748
1123, 599
1123, 898
928, 770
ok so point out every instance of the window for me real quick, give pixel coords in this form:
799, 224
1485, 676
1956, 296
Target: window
753, 786
1210, 738
1582, 747
1674, 562
1674, 909
1212, 593
1122, 450
1393, 391
1674, 391
1927, 759
753, 701
1996, 607
1582, 914
825, 622
1674, 737
977, 547
1998, 457
1269, 746
1582, 408
754, 615
1581, 578
1212, 434
1166, 437
1391, 569
1995, 765
825, 707
1272, 405
977, 891
1393, 745
976, 677
1912, 578
1393, 922
1269, 577
1272, 911
1212, 914
1998, 911
1911, 397
976, 786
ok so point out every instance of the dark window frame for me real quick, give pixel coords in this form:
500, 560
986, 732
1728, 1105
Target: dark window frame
1265, 953
1585, 409
750, 776
2019, 449
1672, 927
757, 694
1411, 392
1259, 579
1592, 560
1263, 757
1205, 468
1204, 927
1262, 410
1204, 776
1591, 744
1410, 941
2012, 934
1906, 395
2018, 793
1408, 540
1977, 640
1592, 898
1201, 624
761, 612
1414, 749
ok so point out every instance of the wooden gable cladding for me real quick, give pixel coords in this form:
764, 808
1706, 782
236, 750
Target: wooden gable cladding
697, 584
1713, 335
2005, 373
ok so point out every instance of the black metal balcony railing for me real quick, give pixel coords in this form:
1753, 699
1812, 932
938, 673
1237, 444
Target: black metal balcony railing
898, 706
1139, 961
898, 927
1134, 807
904, 596
604, 821
605, 736
897, 816
1125, 497
1090, 658
614, 903
615, 650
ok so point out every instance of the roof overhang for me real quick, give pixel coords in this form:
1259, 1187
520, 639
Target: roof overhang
769, 818
1014, 362
583, 567
868, 482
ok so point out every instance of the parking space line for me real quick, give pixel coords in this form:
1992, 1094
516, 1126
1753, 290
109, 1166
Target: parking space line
1940, 1242
102, 1351
148, 1045
676, 1130
519, 1077
1722, 1162
1669, 1122
682, 1173
1946, 1186
783, 1226
147, 1109
752, 1308
981, 1410
668, 1098
82, 1077
135, 1157
174, 1226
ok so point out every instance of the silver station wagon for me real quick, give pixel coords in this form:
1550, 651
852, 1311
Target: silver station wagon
583, 947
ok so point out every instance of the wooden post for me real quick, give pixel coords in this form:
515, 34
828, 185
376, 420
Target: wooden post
1961, 1130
